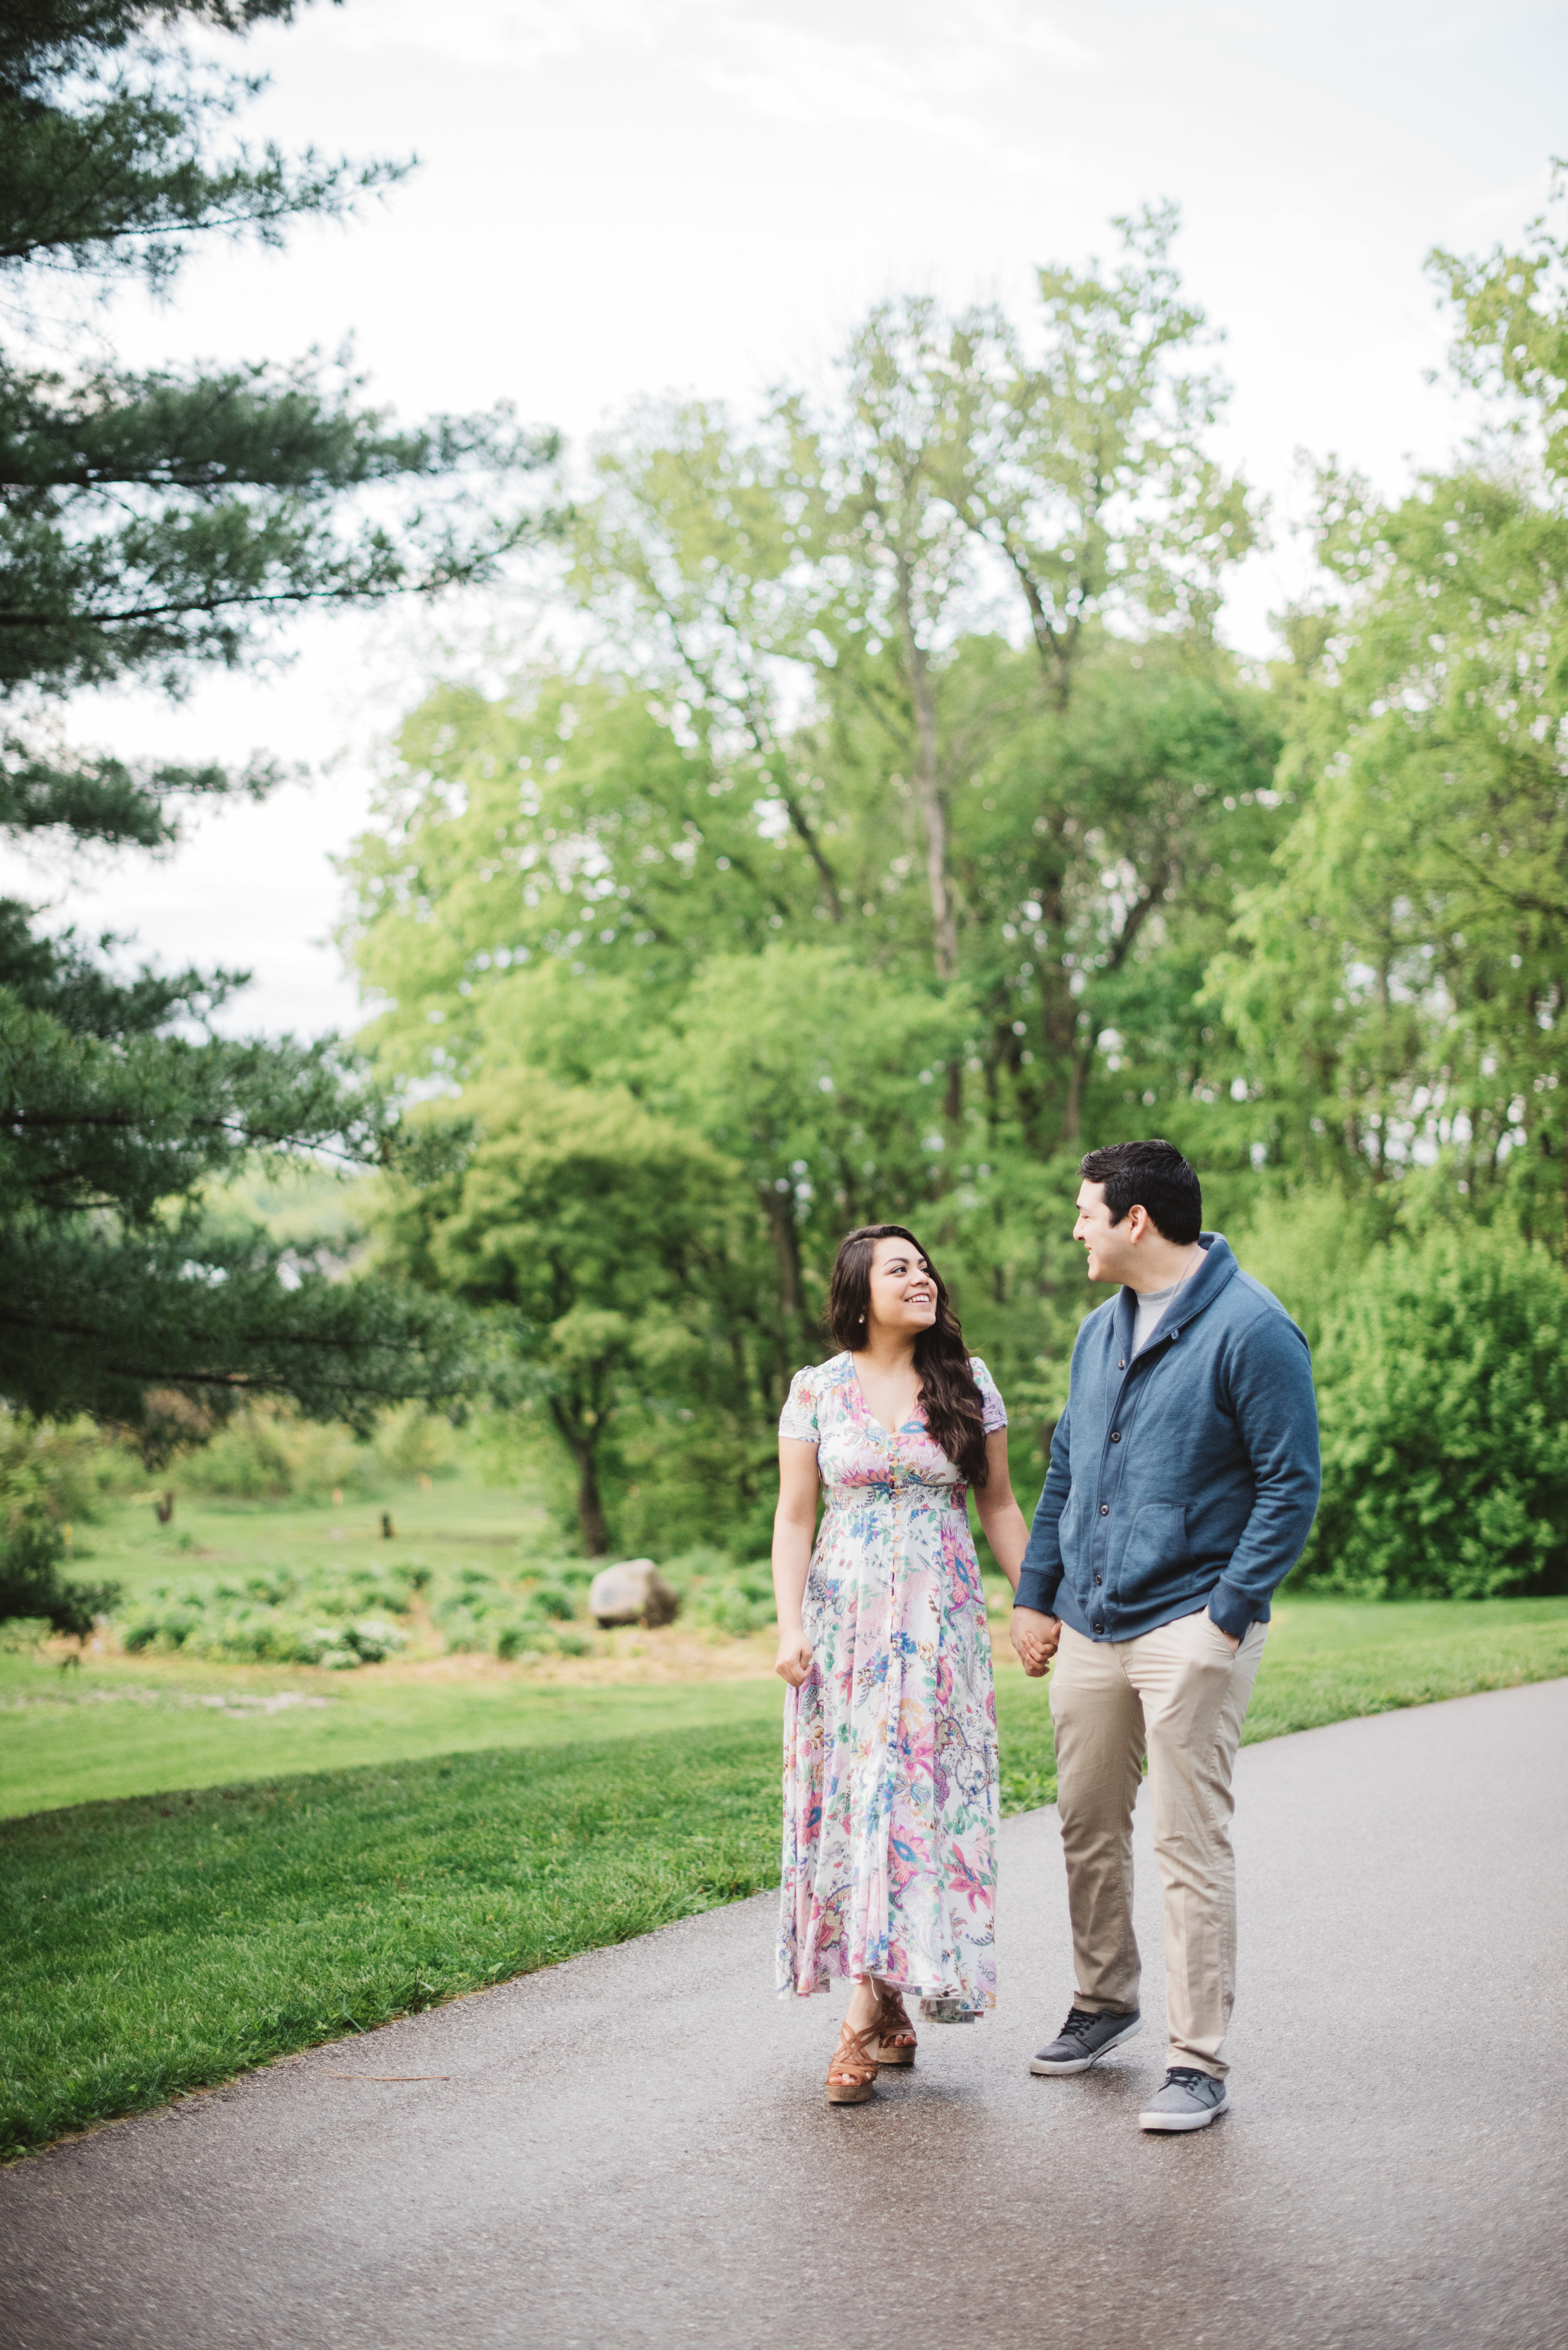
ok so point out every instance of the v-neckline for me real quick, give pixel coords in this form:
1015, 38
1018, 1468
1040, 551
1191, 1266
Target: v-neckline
891, 1435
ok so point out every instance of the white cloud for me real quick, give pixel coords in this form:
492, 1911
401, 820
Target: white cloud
496, 32
786, 71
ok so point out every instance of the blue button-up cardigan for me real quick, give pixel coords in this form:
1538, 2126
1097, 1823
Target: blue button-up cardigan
1186, 1473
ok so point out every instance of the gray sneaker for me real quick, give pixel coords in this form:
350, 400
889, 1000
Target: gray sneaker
1190, 2100
1084, 2039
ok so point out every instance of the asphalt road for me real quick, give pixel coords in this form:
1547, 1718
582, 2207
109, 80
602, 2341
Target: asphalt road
635, 2148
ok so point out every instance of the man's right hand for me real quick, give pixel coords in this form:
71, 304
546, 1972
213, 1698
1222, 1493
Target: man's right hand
1034, 1637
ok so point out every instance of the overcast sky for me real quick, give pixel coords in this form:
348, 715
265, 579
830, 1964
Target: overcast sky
626, 196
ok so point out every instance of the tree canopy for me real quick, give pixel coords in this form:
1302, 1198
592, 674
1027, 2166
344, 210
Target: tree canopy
903, 828
831, 851
153, 521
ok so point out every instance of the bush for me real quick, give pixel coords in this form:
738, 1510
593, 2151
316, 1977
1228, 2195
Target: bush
48, 1475
275, 1618
717, 1592
1443, 1396
555, 1599
267, 1451
519, 1637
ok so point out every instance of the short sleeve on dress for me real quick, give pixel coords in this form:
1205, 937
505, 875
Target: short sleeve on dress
798, 1417
993, 1412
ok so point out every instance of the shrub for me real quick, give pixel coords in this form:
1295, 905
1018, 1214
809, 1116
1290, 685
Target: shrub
555, 1599
521, 1637
48, 1475
267, 1450
1443, 1396
717, 1592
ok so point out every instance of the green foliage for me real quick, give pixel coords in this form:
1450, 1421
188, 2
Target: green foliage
50, 1478
335, 1617
148, 522
719, 1593
1397, 988
268, 1450
106, 140
602, 1229
1444, 1400
902, 830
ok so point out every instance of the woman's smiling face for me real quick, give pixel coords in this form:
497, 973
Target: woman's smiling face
903, 1293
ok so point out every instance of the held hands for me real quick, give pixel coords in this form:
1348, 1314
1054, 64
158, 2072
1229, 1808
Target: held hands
794, 1659
1034, 1637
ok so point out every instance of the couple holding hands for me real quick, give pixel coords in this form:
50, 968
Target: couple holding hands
1181, 1488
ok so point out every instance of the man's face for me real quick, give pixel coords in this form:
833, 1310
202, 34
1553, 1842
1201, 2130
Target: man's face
1110, 1246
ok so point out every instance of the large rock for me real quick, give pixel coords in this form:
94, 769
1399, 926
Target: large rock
632, 1593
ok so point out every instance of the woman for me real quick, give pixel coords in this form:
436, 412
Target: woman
890, 1771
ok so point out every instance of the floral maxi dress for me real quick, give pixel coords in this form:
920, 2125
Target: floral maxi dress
891, 1783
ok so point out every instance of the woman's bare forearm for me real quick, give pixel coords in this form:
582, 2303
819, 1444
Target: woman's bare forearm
999, 1513
1008, 1536
791, 1565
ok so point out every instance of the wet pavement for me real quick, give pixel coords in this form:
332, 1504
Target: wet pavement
635, 2149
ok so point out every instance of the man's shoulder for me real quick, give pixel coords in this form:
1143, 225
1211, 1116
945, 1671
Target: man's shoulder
1095, 1324
1252, 1308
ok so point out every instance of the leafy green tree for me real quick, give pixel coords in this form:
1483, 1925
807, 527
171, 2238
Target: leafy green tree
1084, 465
604, 1233
816, 852
823, 1081
152, 522
1399, 986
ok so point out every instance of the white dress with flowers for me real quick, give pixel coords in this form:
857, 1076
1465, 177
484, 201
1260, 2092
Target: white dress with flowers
890, 1786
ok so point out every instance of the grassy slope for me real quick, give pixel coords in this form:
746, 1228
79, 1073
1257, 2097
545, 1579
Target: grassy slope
136, 1729
456, 1520
157, 1944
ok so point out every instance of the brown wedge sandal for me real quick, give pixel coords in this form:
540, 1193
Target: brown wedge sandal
855, 2059
892, 2018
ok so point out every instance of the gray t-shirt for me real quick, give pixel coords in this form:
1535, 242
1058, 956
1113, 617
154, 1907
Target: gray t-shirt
1151, 1305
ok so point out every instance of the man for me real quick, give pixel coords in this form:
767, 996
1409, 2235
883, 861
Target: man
1182, 1484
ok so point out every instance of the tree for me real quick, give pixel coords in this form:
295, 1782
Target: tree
815, 854
823, 1081
150, 522
1399, 986
603, 1231
1083, 466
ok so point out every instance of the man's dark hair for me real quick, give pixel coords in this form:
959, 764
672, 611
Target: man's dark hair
1153, 1176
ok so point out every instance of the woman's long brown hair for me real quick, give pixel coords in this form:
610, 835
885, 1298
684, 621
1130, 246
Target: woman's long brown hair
953, 1408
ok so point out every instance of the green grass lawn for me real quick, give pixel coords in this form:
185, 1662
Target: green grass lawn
162, 1941
453, 1518
142, 1725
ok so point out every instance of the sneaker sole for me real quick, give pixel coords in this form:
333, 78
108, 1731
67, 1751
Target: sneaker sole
1170, 2122
1087, 2063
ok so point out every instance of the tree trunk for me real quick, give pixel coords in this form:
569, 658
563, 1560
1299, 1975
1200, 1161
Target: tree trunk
581, 1440
927, 791
590, 1510
792, 1319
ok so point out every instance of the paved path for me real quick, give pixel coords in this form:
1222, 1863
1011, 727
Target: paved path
634, 2149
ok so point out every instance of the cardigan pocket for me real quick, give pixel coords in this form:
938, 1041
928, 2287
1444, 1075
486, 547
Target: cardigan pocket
1156, 1544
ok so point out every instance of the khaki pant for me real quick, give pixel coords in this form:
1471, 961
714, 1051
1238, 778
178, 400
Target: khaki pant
1181, 1694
